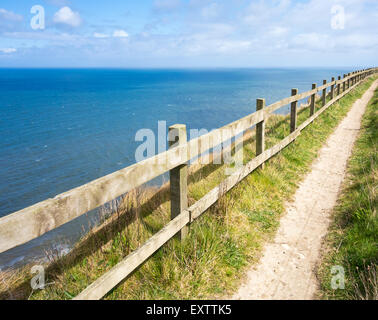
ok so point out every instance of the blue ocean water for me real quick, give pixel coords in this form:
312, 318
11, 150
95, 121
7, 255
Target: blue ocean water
61, 128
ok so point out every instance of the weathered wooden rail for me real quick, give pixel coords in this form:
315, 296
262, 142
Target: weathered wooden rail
32, 222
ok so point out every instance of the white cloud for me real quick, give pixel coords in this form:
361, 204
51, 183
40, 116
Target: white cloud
120, 34
358, 41
233, 46
277, 31
166, 5
100, 35
68, 17
214, 29
211, 11
9, 15
312, 41
58, 3
262, 13
215, 32
9, 20
8, 50
49, 36
116, 34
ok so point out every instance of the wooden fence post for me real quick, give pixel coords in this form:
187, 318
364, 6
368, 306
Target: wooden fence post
332, 89
338, 86
312, 101
324, 95
178, 178
293, 114
344, 84
260, 130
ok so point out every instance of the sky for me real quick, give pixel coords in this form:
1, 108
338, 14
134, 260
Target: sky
188, 33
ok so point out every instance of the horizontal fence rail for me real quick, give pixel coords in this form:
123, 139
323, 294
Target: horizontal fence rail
32, 222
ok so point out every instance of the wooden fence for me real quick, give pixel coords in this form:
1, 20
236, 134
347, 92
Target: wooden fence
32, 222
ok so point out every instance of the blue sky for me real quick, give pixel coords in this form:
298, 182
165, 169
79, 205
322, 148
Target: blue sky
190, 33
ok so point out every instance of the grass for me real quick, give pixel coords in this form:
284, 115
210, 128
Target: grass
212, 260
353, 240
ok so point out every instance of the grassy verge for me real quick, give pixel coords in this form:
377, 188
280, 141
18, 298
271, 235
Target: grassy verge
222, 244
353, 240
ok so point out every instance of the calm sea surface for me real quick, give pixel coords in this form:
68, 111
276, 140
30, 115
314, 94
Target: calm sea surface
62, 128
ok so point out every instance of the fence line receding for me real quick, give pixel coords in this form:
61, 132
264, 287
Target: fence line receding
32, 222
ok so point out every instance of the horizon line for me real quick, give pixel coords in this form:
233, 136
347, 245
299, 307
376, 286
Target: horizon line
183, 67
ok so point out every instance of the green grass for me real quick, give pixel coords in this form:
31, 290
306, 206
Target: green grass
222, 243
353, 240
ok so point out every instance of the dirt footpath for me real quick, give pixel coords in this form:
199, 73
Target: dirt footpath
286, 270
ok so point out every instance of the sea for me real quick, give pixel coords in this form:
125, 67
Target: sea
61, 128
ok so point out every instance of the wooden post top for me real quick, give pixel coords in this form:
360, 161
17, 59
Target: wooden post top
178, 126
260, 103
177, 134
